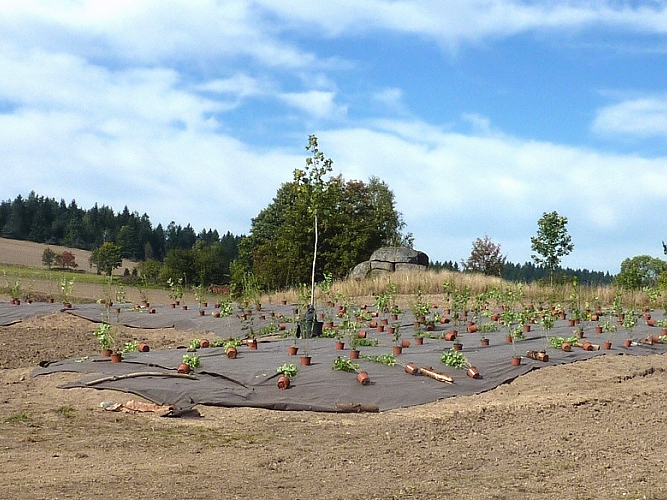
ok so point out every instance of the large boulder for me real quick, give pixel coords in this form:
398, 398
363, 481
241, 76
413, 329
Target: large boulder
390, 259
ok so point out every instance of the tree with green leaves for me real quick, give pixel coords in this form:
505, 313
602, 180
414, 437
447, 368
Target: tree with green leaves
48, 257
354, 219
106, 258
552, 242
639, 272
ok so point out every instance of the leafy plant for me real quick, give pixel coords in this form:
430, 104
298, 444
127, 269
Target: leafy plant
344, 364
103, 334
131, 346
195, 344
175, 288
192, 360
383, 359
288, 369
454, 358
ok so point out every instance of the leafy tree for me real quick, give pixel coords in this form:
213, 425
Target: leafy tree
66, 260
106, 258
48, 257
485, 258
354, 219
552, 241
640, 271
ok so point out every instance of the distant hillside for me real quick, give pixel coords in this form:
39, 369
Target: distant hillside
27, 253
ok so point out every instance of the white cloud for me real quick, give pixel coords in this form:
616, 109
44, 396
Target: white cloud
643, 117
317, 103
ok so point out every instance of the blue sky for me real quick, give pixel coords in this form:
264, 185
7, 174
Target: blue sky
480, 115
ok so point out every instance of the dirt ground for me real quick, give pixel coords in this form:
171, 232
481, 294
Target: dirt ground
593, 429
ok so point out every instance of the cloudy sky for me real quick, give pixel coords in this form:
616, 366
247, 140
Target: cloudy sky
480, 115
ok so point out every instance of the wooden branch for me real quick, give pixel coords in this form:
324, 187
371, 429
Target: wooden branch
113, 378
428, 371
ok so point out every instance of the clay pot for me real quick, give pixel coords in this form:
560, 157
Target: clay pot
204, 343
185, 308
143, 347
305, 360
252, 344
472, 328
328, 324
183, 368
595, 317
495, 316
450, 336
484, 342
570, 322
650, 322
385, 321
116, 310
340, 345
516, 360
397, 350
566, 346
50, 300
405, 343
394, 317
215, 314
292, 350
380, 328
373, 324
606, 345
283, 382
627, 343
598, 329
283, 302
419, 340
363, 378
411, 369
391, 330
231, 352
116, 357
107, 353
457, 347
66, 305
430, 327
655, 339
361, 334
526, 328
508, 339
282, 326
151, 310
587, 346
173, 305
354, 354
473, 372
444, 320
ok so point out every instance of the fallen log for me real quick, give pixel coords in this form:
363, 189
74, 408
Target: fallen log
428, 371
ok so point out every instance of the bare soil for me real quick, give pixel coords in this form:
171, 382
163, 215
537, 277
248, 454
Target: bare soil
593, 429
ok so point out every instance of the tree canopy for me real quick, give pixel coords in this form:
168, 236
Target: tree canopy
552, 241
354, 219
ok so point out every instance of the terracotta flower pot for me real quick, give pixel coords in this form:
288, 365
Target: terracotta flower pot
598, 329
185, 308
508, 339
606, 345
473, 372
484, 342
587, 346
394, 317
215, 314
495, 316
419, 340
405, 343
458, 347
173, 305
566, 346
373, 324
292, 350
305, 360
283, 382
397, 350
143, 347
231, 352
411, 369
354, 354
183, 368
380, 328
363, 378
107, 353
570, 322
516, 360
340, 345
650, 322
450, 336
391, 330
526, 328
252, 344
627, 343
116, 357
361, 334
151, 310
204, 343
655, 339
472, 328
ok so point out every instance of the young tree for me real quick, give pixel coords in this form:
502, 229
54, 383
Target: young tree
639, 272
485, 258
552, 241
48, 257
106, 258
66, 260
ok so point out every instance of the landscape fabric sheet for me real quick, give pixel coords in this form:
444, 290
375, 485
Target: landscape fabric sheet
250, 379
